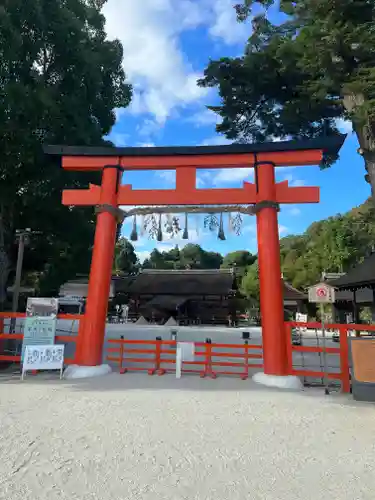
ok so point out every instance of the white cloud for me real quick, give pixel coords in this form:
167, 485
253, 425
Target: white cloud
233, 175
204, 118
216, 140
169, 176
162, 77
297, 183
344, 126
143, 255
201, 180
118, 139
225, 26
145, 145
153, 60
295, 211
292, 181
283, 229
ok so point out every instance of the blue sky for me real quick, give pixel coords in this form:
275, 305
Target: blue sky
167, 44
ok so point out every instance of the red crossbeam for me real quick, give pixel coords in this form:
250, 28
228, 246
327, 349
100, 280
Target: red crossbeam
185, 194
280, 159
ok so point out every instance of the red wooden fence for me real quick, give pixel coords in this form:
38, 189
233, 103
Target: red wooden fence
19, 336
158, 357
211, 359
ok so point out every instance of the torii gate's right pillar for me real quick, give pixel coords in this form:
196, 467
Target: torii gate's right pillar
271, 288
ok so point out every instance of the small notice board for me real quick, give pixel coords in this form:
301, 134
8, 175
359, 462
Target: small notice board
362, 352
322, 293
39, 330
43, 357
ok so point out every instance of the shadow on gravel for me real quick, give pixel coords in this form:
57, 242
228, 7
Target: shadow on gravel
189, 383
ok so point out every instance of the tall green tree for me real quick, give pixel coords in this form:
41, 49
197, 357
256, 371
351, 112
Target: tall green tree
331, 245
313, 64
60, 82
126, 260
240, 260
192, 256
250, 282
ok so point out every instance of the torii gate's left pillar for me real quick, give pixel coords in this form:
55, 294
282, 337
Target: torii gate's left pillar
92, 330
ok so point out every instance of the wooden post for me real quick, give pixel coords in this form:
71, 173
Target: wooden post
271, 289
344, 360
91, 336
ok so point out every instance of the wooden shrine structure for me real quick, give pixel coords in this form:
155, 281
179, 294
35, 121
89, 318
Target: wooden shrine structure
264, 196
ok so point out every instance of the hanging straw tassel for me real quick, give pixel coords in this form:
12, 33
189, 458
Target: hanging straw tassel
197, 224
134, 234
142, 225
230, 223
185, 235
220, 234
160, 232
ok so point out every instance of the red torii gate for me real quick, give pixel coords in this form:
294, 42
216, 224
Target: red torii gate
265, 194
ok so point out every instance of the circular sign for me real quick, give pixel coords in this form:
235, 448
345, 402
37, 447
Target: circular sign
322, 292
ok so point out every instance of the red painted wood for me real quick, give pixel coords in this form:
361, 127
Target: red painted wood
280, 158
271, 291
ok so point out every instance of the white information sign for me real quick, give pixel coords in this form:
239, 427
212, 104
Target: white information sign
301, 318
322, 294
185, 352
39, 330
43, 357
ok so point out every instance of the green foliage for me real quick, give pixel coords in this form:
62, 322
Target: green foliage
190, 257
250, 282
298, 76
240, 260
60, 81
126, 260
332, 245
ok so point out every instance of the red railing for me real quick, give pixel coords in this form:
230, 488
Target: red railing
342, 350
19, 336
159, 357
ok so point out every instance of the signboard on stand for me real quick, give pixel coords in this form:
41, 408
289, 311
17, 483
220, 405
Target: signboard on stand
322, 294
40, 322
301, 318
43, 357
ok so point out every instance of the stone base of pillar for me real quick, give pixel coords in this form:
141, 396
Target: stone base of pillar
289, 382
77, 371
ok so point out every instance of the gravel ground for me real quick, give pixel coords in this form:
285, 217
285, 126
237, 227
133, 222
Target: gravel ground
139, 437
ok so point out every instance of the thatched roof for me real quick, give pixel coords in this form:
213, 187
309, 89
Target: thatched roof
183, 282
360, 276
291, 293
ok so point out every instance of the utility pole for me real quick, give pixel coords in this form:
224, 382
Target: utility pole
23, 239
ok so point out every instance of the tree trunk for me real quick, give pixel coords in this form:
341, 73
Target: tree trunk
4, 265
364, 131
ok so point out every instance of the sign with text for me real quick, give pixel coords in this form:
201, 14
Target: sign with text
39, 330
301, 318
322, 294
43, 357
